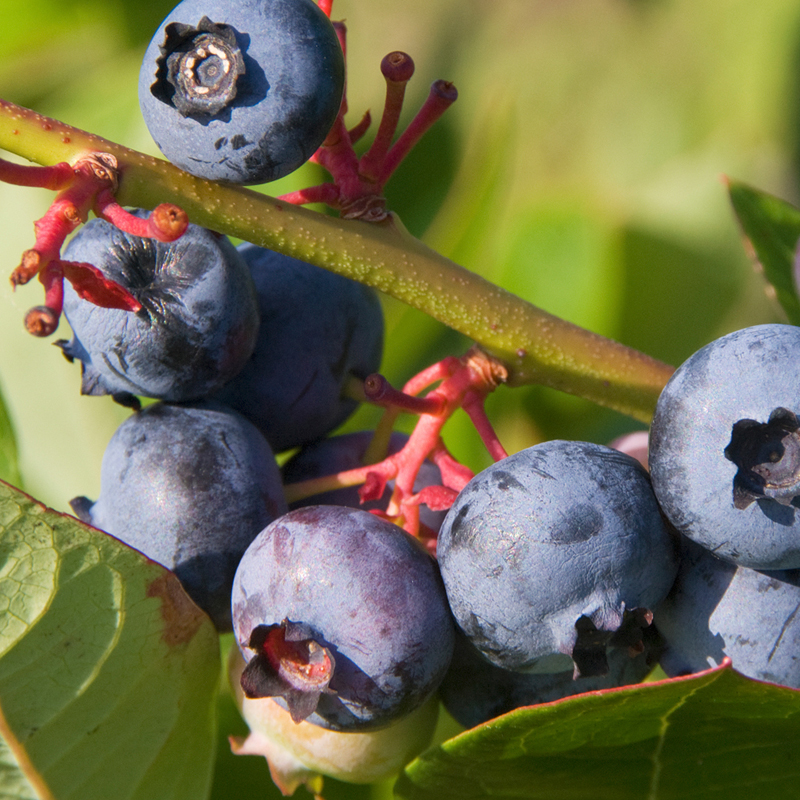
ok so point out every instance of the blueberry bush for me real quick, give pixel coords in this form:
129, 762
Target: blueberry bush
569, 215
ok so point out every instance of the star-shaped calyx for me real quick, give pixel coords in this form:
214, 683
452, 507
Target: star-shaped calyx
768, 457
290, 663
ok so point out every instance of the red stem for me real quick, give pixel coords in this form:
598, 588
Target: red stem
397, 69
473, 405
167, 222
441, 97
55, 177
435, 372
380, 392
359, 130
324, 193
454, 474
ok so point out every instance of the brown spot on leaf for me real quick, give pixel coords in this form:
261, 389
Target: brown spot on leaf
181, 616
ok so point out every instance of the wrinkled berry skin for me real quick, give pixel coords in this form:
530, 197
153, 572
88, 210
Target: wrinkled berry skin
371, 594
475, 691
345, 452
243, 91
197, 326
190, 487
717, 609
318, 330
744, 376
558, 535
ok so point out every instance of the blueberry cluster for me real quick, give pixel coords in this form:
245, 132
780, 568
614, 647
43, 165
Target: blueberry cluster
191, 480
563, 568
569, 569
725, 464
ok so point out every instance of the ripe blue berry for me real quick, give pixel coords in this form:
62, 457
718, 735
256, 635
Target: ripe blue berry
553, 554
725, 447
342, 617
346, 452
242, 91
190, 486
717, 609
197, 326
318, 331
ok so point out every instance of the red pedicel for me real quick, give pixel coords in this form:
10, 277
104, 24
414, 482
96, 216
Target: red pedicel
88, 185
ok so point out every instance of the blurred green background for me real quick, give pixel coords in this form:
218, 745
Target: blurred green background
581, 168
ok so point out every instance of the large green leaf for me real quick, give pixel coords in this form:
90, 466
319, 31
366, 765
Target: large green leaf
108, 672
772, 226
714, 735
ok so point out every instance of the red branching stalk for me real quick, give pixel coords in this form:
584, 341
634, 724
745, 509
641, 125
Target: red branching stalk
356, 190
464, 383
88, 185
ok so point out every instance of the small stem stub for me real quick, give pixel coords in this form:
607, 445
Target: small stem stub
41, 321
397, 67
379, 391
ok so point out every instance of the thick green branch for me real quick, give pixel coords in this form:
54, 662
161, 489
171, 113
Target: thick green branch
535, 346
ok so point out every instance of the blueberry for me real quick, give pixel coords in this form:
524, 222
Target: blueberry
242, 91
342, 617
346, 452
725, 447
474, 690
190, 486
318, 331
197, 326
717, 609
555, 553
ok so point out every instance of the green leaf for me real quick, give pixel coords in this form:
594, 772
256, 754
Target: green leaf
772, 227
713, 735
13, 783
108, 672
9, 464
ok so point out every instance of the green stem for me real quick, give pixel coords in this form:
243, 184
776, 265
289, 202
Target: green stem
535, 347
